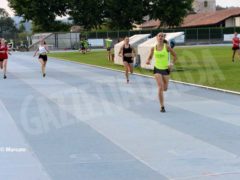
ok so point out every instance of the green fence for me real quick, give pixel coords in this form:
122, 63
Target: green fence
197, 35
206, 35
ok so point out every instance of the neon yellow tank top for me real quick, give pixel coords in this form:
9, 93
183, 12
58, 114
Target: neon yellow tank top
108, 43
161, 58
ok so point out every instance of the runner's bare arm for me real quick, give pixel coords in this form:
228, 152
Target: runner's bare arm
150, 56
173, 53
47, 49
120, 52
35, 53
133, 53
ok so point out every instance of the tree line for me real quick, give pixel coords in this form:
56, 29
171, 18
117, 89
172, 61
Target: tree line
97, 14
6, 22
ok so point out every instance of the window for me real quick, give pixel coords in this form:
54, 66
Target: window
237, 21
205, 4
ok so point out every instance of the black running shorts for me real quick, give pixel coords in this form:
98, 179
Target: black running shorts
235, 48
43, 57
164, 72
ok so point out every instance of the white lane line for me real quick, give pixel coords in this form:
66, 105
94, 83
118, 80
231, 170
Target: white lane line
157, 146
24, 163
54, 90
218, 174
175, 81
218, 110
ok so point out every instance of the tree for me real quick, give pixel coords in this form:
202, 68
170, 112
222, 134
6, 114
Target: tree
56, 26
116, 14
6, 23
21, 28
41, 12
122, 14
170, 12
87, 13
3, 13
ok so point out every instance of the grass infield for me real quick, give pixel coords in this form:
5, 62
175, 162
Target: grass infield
208, 66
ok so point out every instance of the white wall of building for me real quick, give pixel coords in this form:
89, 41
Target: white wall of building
230, 22
237, 21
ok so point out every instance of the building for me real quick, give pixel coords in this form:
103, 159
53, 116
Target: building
222, 18
205, 15
201, 6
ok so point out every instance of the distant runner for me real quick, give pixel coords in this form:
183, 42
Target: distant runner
127, 53
235, 47
42, 51
4, 57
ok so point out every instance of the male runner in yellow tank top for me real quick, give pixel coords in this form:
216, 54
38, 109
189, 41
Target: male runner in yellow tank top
162, 66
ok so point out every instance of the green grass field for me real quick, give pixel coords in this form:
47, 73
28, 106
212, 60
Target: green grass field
210, 66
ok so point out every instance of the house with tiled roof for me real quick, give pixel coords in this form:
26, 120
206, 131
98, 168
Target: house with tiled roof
205, 16
222, 18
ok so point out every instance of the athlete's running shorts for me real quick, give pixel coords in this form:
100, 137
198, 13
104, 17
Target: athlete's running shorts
43, 57
164, 72
235, 48
128, 60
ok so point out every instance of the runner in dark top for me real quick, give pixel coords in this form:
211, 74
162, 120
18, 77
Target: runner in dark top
127, 53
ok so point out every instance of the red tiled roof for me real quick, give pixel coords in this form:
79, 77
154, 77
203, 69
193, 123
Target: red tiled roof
210, 18
150, 24
200, 19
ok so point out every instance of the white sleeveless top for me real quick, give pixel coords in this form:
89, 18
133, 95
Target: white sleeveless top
42, 50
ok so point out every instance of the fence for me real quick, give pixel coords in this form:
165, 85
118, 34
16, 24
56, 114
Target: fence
19, 41
68, 40
192, 35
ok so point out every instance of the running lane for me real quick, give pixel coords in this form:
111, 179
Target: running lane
86, 123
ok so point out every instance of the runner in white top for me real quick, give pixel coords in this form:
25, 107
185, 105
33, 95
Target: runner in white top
42, 51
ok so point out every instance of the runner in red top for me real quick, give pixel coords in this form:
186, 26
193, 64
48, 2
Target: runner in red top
235, 48
3, 57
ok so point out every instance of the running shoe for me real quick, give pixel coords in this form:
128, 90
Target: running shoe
163, 109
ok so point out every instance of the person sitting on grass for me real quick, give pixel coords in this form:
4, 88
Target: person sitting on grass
83, 46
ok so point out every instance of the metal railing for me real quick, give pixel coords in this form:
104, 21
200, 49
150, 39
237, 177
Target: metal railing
192, 35
67, 40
